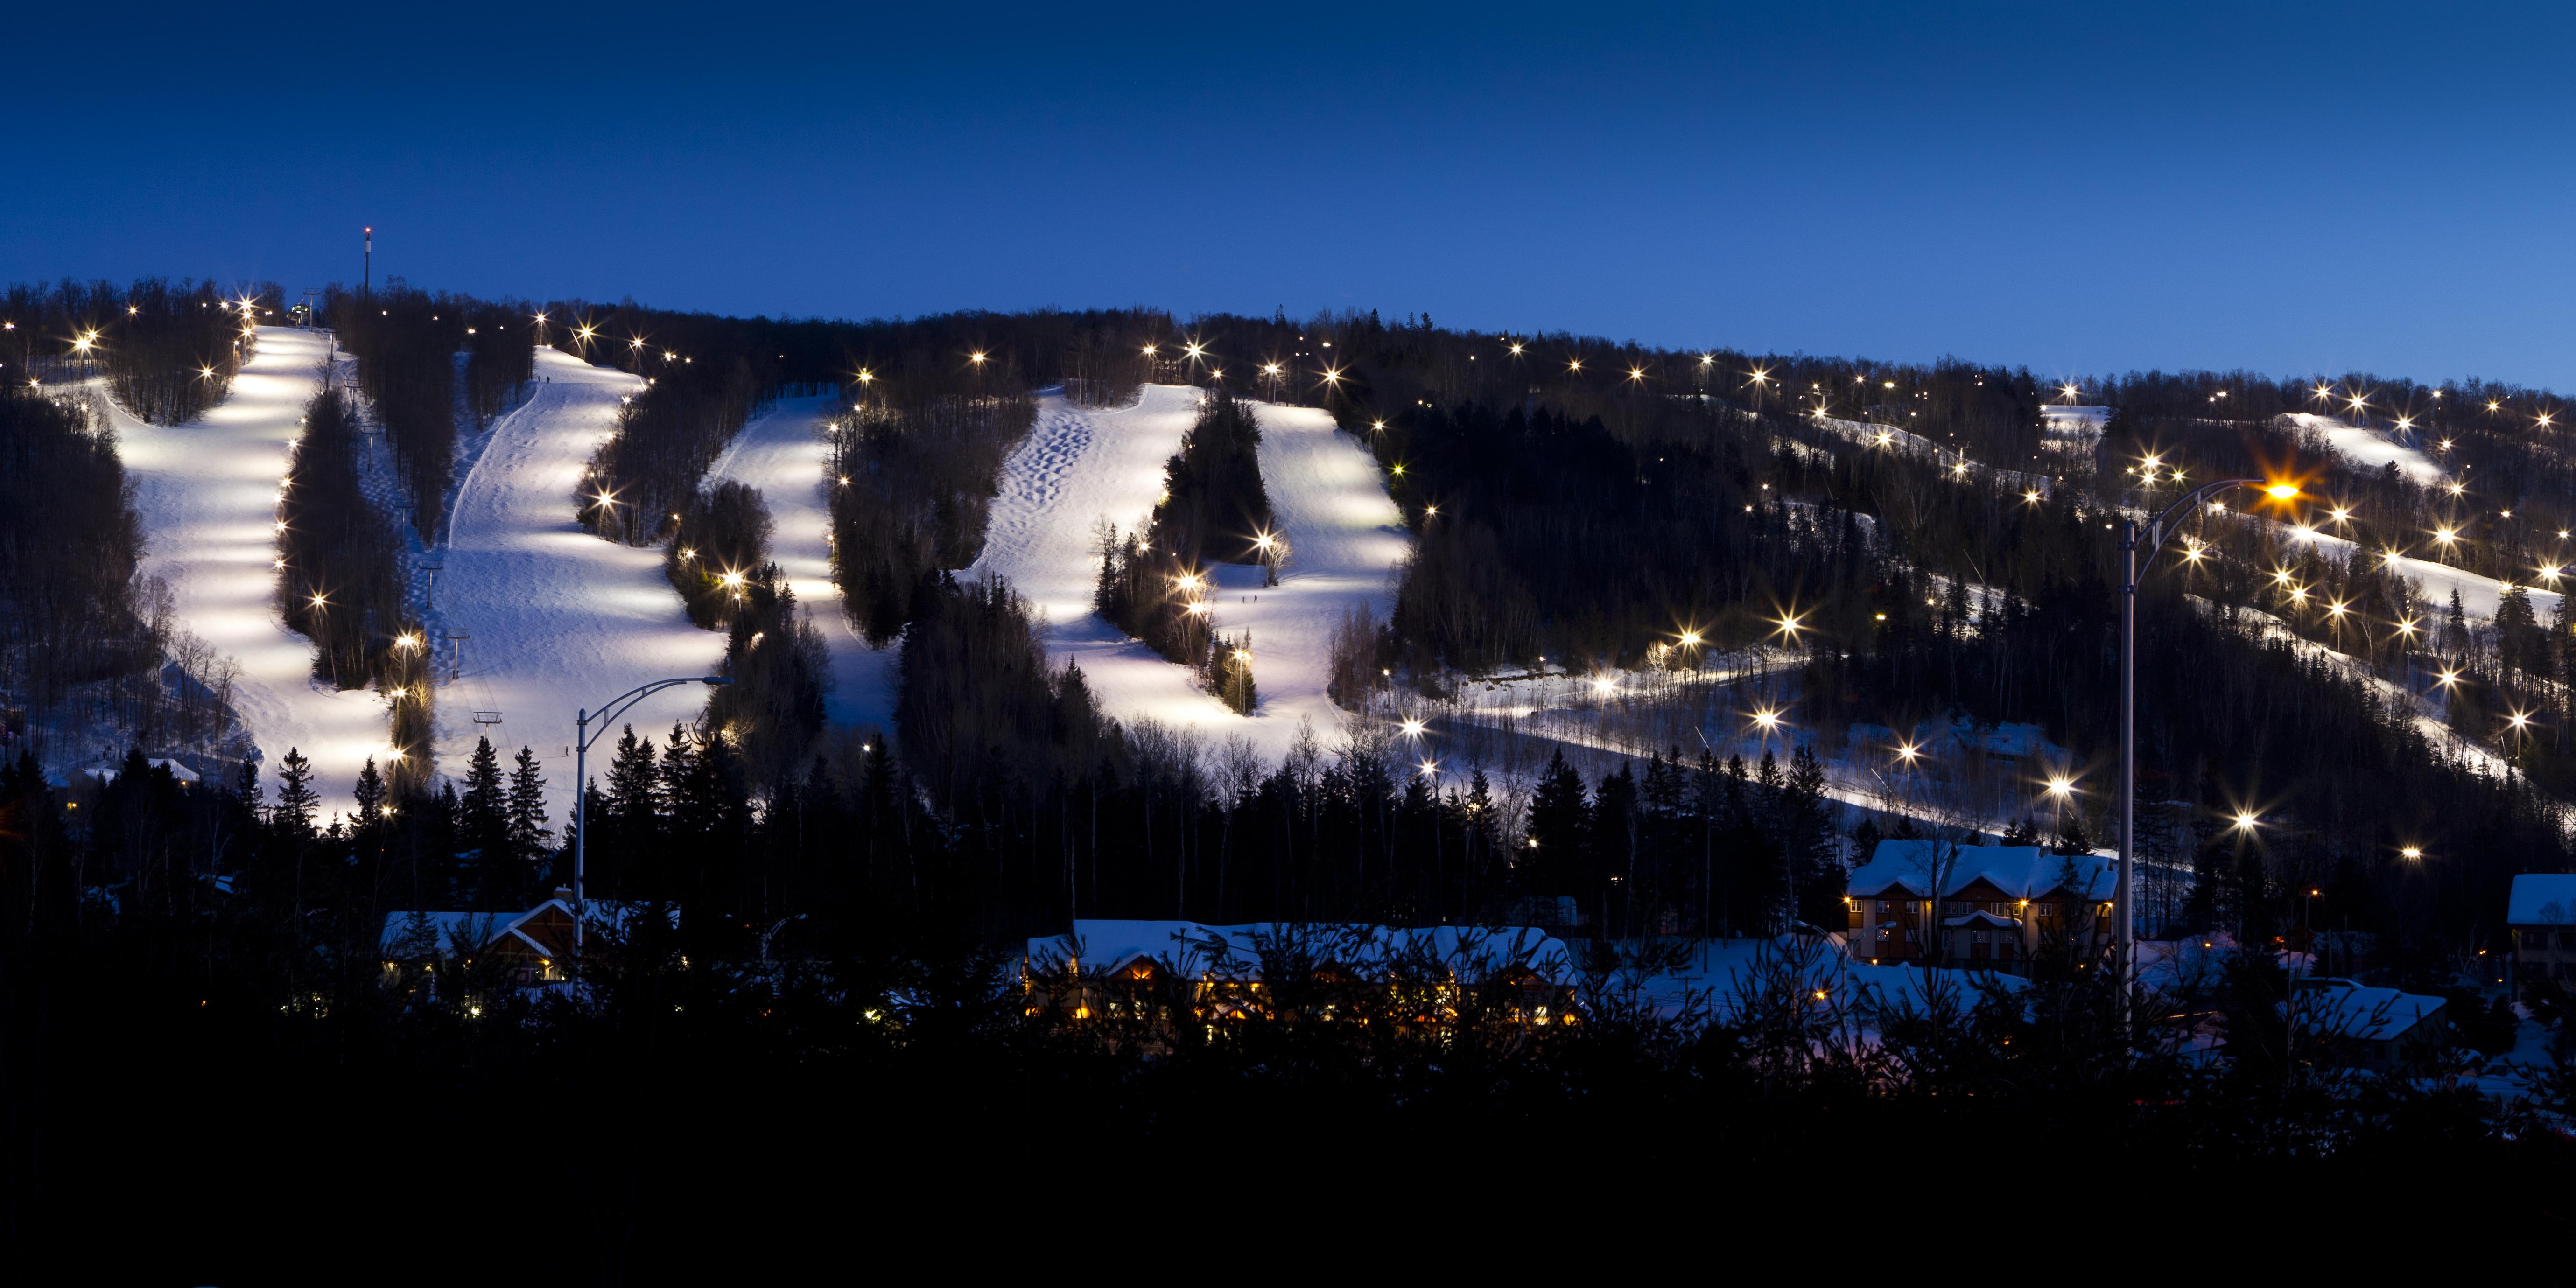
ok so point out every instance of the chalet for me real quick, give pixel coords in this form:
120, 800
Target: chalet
1984, 907
1109, 969
535, 946
2541, 916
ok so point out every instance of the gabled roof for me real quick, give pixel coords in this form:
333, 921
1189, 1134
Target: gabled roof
2368, 1014
2019, 871
2542, 899
1235, 953
1984, 920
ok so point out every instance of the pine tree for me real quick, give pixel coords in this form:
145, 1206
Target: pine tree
296, 799
246, 790
1807, 827
1556, 818
2520, 645
529, 836
483, 821
371, 795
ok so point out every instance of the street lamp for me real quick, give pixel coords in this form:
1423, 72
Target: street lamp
582, 738
2152, 537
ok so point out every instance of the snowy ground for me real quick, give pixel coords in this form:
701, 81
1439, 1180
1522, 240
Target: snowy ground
784, 454
207, 494
558, 619
2370, 447
2434, 582
1079, 465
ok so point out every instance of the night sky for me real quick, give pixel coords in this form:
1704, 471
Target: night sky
2081, 189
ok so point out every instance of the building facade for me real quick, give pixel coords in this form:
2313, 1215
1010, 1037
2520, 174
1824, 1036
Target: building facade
1995, 907
2541, 917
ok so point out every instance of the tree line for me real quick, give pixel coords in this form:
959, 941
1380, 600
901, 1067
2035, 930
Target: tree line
341, 583
1155, 583
406, 342
166, 350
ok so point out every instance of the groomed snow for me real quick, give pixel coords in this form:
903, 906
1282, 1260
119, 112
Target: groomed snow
207, 494
2479, 596
2370, 447
784, 454
559, 619
1079, 465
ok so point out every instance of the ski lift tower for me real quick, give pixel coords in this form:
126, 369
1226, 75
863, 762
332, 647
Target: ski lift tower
456, 653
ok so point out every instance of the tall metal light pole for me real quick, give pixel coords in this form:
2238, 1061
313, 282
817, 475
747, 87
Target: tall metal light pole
2152, 537
367, 278
583, 737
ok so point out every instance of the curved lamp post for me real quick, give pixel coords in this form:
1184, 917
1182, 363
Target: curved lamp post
2152, 538
583, 737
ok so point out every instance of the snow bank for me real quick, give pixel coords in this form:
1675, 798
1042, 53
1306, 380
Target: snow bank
559, 619
784, 454
1080, 465
207, 494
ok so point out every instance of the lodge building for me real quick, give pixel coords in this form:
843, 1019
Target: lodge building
1994, 907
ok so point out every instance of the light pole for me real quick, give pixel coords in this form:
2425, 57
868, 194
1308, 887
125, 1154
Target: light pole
582, 738
2124, 918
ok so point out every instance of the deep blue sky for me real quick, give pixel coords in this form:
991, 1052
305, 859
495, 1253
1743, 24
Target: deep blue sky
2079, 188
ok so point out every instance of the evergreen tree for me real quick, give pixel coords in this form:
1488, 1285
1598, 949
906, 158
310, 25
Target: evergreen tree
483, 820
296, 799
1556, 826
529, 836
371, 795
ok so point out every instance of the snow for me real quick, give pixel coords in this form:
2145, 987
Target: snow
1080, 464
2542, 899
1188, 948
785, 454
207, 494
2019, 871
2479, 596
2371, 447
559, 619
2062, 421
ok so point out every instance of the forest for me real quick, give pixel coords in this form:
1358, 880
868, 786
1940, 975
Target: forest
1841, 546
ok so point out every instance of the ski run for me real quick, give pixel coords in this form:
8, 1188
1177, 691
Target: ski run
207, 492
1079, 466
535, 619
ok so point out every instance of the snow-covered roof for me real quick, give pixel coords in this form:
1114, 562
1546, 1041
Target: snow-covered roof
485, 927
2542, 899
1982, 918
177, 771
479, 926
1188, 948
2369, 1014
2018, 871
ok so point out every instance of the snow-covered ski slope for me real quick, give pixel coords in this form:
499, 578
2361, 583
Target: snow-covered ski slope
1079, 465
207, 492
2370, 447
784, 454
558, 619
2434, 582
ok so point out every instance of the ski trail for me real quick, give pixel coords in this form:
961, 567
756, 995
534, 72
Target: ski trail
559, 620
207, 495
1079, 465
784, 454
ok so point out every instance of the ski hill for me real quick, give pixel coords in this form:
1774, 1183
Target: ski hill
556, 619
785, 454
207, 493
1079, 465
